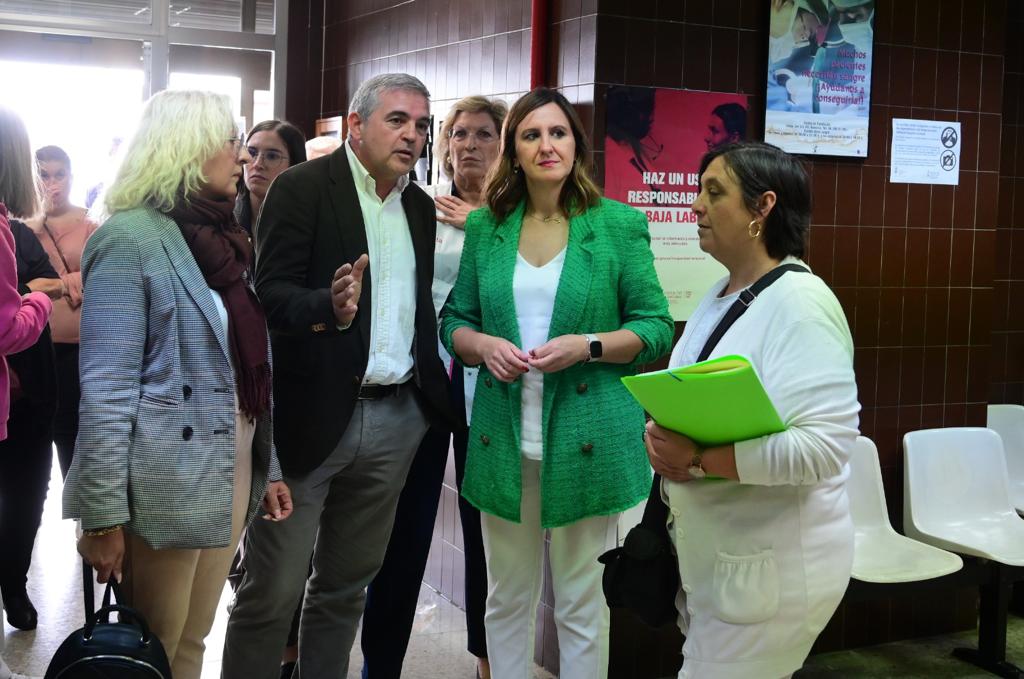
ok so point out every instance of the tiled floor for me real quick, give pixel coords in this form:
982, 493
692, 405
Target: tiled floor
437, 647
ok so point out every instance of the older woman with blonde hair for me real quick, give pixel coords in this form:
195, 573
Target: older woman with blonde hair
175, 447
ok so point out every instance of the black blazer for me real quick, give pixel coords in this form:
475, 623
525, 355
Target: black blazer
309, 225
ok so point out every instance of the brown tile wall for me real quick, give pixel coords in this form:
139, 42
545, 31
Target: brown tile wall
914, 265
1006, 362
924, 273
305, 63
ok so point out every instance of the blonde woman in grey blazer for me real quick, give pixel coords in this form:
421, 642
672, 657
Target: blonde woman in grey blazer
175, 446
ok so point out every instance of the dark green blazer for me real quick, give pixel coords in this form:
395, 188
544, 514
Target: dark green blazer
594, 458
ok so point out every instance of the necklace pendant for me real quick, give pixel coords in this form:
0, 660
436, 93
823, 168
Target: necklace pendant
547, 220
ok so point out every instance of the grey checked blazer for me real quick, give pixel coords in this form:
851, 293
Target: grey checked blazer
155, 448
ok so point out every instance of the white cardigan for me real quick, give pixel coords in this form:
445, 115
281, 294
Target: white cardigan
765, 562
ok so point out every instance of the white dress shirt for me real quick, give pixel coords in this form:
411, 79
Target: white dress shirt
393, 278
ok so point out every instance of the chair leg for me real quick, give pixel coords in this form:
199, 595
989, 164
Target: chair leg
1017, 602
991, 652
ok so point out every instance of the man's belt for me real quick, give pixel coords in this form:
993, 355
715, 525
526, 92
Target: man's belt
373, 392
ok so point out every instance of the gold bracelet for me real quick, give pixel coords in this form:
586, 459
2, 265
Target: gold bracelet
98, 532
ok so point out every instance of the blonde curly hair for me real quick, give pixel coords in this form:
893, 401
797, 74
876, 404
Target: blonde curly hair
495, 108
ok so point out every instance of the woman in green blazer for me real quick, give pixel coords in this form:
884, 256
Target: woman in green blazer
557, 298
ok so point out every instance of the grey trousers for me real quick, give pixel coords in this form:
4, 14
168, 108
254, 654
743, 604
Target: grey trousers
343, 513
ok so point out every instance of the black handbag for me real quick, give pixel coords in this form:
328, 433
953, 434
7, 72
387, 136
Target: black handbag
643, 575
123, 649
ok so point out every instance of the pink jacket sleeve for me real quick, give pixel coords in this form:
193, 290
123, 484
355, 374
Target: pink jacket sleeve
21, 318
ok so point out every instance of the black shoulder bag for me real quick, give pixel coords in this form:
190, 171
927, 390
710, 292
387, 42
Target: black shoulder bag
643, 575
124, 649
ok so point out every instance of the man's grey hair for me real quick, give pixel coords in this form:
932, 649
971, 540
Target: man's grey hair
367, 96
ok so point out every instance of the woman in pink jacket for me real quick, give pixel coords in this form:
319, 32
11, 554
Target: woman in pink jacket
22, 319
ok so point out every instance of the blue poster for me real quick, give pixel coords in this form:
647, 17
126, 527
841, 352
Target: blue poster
819, 76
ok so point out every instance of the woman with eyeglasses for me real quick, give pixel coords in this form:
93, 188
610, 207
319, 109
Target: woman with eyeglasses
175, 445
273, 146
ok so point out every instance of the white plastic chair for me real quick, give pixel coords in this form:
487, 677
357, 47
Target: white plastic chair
956, 495
1008, 422
881, 554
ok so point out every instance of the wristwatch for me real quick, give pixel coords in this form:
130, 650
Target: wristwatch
594, 348
696, 468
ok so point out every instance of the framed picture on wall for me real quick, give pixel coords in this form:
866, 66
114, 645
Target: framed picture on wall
334, 126
819, 76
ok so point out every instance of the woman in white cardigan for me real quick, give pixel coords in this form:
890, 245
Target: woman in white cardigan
765, 555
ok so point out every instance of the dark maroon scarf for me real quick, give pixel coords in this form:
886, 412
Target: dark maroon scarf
223, 252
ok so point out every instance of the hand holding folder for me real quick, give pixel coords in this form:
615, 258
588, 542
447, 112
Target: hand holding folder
713, 402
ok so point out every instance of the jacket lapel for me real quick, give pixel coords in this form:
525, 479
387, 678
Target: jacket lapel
351, 229
574, 284
422, 245
497, 283
188, 272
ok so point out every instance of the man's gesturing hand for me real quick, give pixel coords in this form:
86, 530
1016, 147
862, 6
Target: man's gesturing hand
346, 289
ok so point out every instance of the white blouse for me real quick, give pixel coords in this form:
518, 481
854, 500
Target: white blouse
701, 324
222, 310
534, 289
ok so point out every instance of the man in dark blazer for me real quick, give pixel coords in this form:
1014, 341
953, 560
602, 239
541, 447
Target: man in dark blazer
344, 269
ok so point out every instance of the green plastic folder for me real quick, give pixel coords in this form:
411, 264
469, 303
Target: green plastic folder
713, 402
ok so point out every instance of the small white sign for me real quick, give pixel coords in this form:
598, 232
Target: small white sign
925, 152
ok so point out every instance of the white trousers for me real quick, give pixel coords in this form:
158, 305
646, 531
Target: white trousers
515, 566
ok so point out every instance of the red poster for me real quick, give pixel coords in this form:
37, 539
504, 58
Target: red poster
654, 141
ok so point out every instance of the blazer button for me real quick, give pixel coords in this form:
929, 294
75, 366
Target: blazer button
485, 439
186, 433
187, 392
587, 447
582, 388
488, 383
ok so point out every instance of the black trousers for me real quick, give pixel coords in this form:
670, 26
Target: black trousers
391, 597
25, 460
65, 422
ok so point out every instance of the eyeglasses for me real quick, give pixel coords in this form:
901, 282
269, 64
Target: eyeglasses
236, 144
271, 157
483, 137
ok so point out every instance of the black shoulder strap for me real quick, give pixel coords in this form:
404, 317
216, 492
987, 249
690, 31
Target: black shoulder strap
656, 511
746, 298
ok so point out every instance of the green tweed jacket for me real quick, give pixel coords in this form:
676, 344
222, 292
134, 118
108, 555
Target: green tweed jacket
594, 458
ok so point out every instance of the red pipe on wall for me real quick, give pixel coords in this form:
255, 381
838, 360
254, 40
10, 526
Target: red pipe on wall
538, 43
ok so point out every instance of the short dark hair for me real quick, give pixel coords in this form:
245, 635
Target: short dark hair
759, 167
734, 118
51, 153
